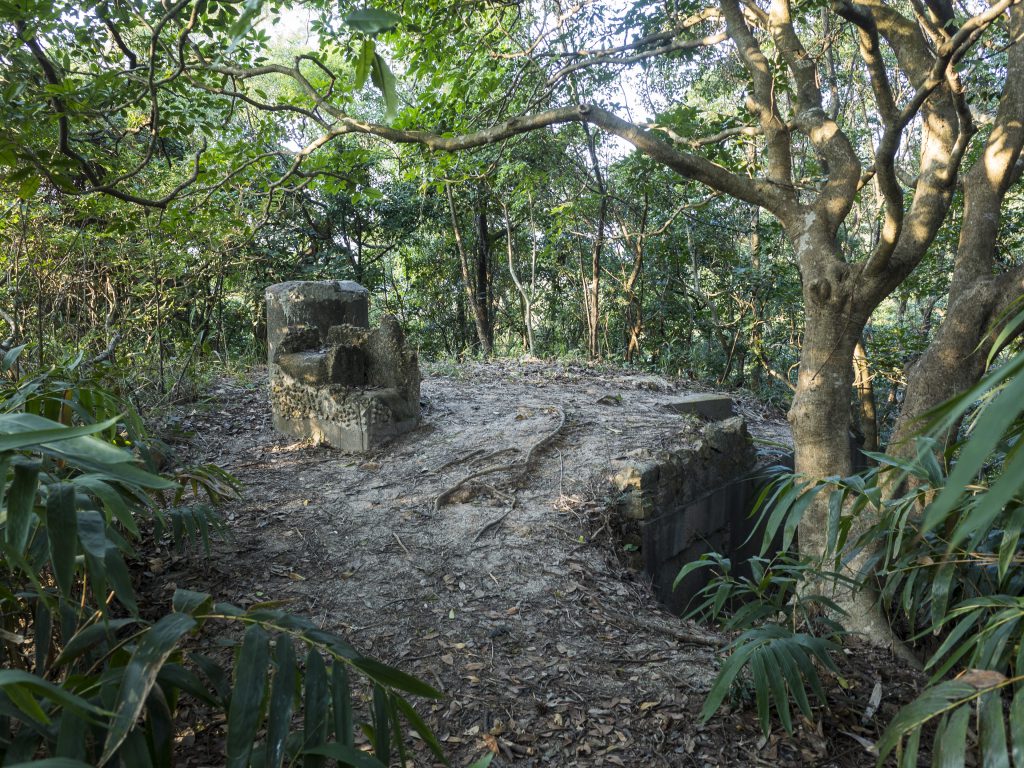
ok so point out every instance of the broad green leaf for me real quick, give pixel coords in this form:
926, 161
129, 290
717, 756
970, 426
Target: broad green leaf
62, 534
47, 690
989, 506
214, 673
113, 502
951, 740
245, 20
178, 677
760, 674
19, 431
381, 716
1012, 528
159, 728
910, 749
372, 21
12, 355
420, 727
731, 668
247, 695
993, 732
933, 702
342, 703
152, 651
985, 435
394, 678
120, 579
384, 79
789, 664
364, 62
282, 697
134, 751
689, 568
52, 762
26, 703
21, 499
43, 632
316, 704
28, 187
942, 583
1017, 727
187, 601
92, 533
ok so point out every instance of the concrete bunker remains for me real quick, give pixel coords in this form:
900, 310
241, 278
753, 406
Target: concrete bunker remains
690, 498
333, 379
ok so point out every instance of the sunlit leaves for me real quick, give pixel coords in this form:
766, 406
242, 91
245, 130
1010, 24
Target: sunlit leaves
372, 21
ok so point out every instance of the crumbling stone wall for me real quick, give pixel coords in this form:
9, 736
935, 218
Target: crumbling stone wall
332, 378
688, 499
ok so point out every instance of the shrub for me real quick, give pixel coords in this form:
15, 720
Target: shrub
86, 678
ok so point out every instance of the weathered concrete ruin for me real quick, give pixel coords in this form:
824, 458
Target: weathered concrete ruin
333, 379
690, 498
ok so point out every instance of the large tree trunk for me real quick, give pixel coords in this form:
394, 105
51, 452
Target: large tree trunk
955, 358
867, 414
820, 419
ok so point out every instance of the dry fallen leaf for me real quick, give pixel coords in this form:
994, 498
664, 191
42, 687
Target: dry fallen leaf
982, 678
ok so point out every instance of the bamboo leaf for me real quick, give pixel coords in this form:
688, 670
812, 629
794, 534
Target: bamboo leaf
985, 435
934, 701
420, 727
951, 740
19, 431
394, 678
282, 697
247, 695
726, 675
140, 675
342, 703
1017, 727
1012, 528
992, 731
759, 673
120, 579
46, 689
92, 533
62, 534
315, 705
384, 79
21, 500
178, 677
381, 725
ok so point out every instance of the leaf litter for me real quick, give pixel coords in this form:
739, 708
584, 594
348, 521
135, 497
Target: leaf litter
476, 553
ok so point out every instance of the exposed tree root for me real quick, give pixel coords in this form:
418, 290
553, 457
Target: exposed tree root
518, 468
495, 522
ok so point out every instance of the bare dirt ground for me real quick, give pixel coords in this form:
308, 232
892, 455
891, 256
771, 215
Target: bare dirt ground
513, 599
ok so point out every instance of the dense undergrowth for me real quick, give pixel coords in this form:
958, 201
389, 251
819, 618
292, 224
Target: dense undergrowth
90, 674
937, 538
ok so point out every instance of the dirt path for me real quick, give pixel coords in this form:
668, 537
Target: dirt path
510, 598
